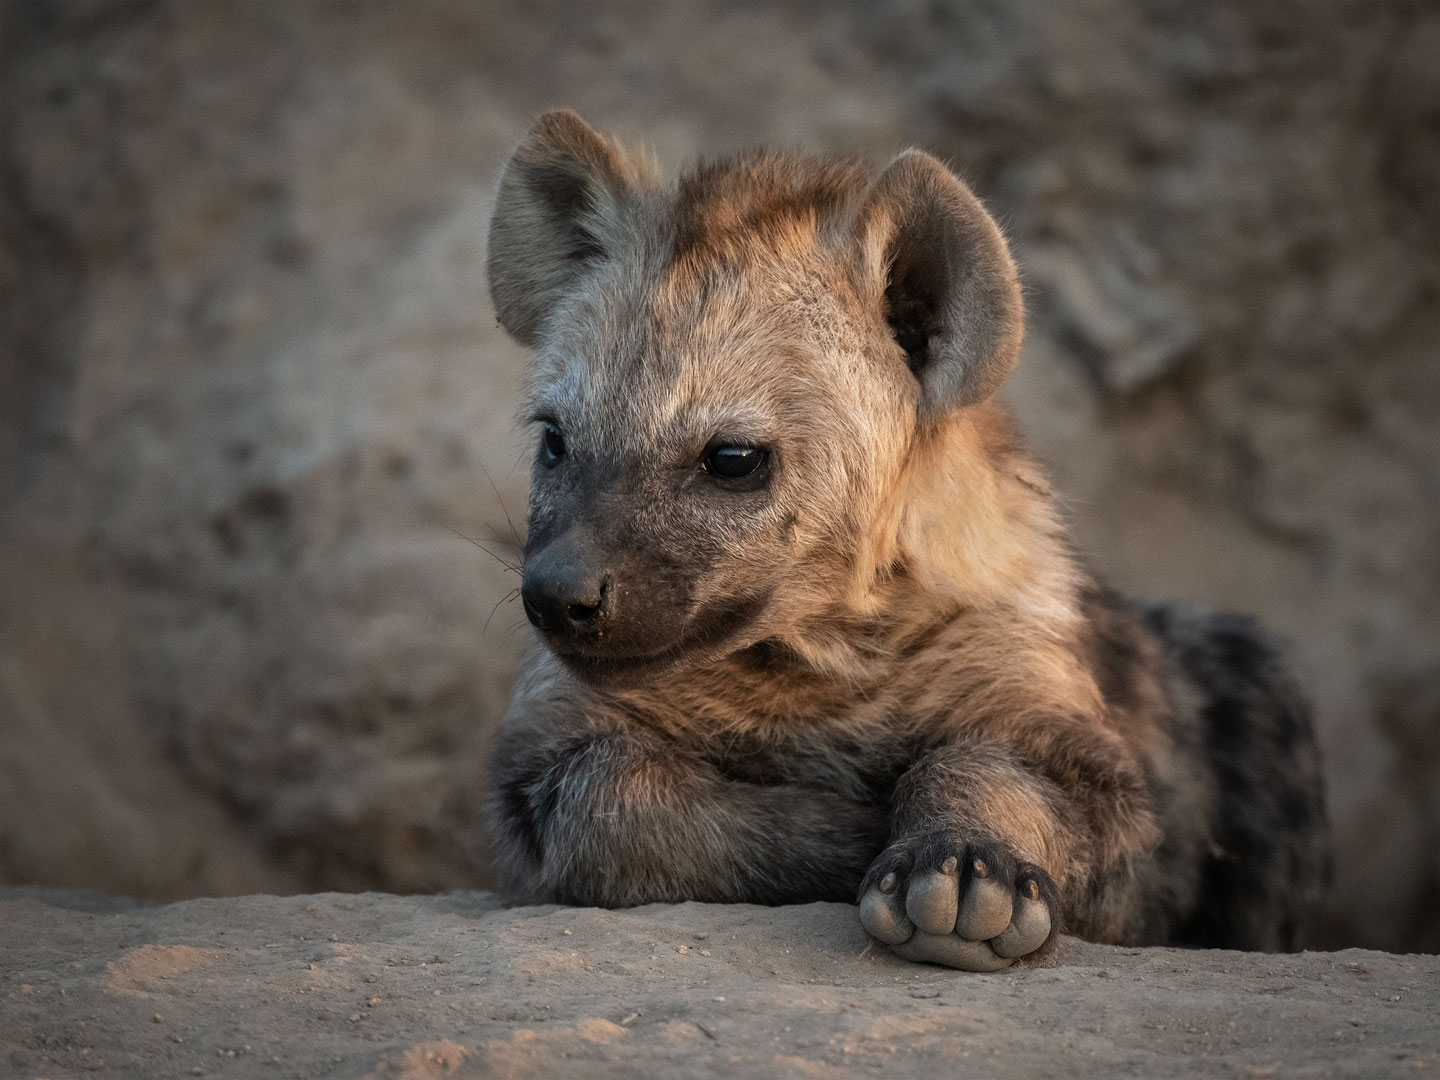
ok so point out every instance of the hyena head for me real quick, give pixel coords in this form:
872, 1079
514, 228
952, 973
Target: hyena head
732, 378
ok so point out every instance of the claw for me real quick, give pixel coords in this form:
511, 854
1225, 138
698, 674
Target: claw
883, 915
931, 901
951, 951
985, 911
1028, 928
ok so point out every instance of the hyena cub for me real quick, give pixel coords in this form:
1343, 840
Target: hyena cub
809, 624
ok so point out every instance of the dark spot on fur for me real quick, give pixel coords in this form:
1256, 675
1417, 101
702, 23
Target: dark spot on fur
918, 643
1296, 810
1114, 647
1267, 827
768, 655
1225, 724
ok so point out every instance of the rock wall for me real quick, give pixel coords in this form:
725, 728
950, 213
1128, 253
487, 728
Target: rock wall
254, 408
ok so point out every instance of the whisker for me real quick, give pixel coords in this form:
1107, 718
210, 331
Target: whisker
494, 538
514, 568
511, 595
501, 500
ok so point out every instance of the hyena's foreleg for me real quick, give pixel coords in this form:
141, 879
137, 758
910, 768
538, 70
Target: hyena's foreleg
622, 817
984, 849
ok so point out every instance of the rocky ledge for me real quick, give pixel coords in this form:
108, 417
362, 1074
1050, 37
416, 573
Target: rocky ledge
377, 985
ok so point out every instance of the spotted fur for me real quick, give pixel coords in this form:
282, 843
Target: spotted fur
887, 647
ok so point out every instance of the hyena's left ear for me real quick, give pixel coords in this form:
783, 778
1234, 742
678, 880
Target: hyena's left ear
952, 296
559, 206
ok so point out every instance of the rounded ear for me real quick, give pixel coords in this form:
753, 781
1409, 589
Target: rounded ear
557, 209
952, 296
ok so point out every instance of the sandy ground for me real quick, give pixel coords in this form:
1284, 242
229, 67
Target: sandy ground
378, 985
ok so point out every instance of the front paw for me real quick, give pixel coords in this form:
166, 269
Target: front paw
972, 906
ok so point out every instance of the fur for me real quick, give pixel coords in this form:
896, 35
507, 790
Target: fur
884, 651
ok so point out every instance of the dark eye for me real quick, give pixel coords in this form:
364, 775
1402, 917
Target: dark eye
733, 462
552, 444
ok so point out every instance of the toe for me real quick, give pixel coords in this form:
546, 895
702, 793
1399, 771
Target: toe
882, 913
1028, 929
951, 951
932, 899
985, 911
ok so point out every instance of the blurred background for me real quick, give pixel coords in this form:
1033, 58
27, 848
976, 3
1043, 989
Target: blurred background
253, 396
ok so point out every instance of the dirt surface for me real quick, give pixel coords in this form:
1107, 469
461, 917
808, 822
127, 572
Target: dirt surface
373, 984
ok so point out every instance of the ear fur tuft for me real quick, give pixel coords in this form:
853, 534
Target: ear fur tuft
952, 294
557, 210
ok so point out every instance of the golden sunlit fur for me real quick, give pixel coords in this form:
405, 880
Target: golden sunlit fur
874, 659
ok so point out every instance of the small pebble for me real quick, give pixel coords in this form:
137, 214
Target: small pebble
567, 931
157, 1019
682, 949
354, 1018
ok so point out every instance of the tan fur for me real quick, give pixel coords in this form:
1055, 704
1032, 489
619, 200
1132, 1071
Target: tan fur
889, 635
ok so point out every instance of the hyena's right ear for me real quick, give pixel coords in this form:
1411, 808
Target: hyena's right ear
951, 293
558, 208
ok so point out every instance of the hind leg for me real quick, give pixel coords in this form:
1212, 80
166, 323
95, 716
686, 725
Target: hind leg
1265, 869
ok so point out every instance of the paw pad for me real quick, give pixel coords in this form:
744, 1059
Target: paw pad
981, 918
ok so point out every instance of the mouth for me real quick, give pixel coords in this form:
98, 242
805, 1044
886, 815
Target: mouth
710, 633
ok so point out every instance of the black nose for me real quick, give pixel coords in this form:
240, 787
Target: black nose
563, 595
